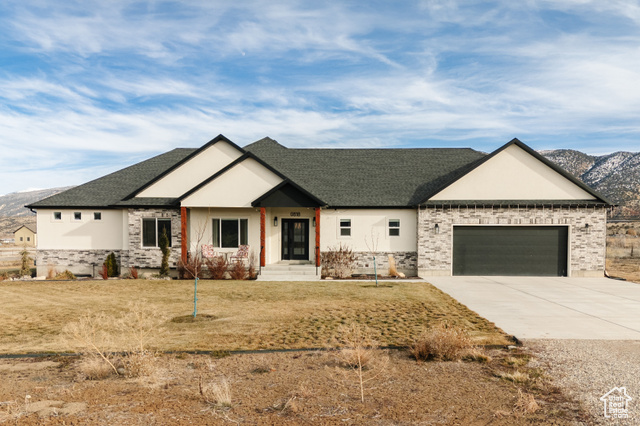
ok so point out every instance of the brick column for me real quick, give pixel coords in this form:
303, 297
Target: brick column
183, 231
262, 236
317, 236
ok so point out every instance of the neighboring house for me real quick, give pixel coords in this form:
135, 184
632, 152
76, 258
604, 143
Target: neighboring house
438, 211
24, 236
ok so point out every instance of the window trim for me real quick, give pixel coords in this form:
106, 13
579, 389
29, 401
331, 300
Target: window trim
389, 227
157, 236
240, 241
341, 227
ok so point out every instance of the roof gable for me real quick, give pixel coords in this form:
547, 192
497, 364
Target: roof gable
515, 172
236, 185
287, 194
113, 188
184, 175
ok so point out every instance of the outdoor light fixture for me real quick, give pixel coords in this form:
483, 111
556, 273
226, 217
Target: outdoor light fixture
275, 221
437, 228
314, 222
586, 227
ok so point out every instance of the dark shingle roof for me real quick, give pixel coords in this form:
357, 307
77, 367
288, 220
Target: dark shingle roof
368, 177
338, 177
113, 188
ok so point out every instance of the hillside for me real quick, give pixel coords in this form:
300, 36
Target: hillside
13, 212
616, 176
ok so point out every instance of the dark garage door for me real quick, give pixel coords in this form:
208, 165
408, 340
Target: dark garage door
510, 250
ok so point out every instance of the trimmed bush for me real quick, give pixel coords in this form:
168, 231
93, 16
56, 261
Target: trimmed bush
112, 265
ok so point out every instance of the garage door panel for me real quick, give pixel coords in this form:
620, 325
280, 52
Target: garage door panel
510, 250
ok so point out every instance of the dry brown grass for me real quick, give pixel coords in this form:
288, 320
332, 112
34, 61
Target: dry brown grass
444, 342
245, 315
526, 404
216, 393
92, 367
360, 355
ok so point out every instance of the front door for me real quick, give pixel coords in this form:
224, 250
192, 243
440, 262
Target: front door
295, 239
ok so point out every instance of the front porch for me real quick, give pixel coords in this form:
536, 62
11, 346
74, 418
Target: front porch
284, 243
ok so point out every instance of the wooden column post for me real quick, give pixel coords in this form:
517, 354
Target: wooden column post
317, 236
262, 236
183, 233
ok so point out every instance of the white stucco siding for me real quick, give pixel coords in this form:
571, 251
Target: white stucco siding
194, 171
237, 187
366, 223
513, 174
108, 233
200, 227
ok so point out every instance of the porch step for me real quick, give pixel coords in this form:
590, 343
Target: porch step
289, 272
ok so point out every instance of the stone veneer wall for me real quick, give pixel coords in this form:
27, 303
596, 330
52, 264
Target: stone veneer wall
586, 245
406, 262
80, 262
151, 257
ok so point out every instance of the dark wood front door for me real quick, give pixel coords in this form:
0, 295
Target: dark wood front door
295, 239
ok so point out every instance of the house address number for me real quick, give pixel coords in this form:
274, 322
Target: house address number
295, 214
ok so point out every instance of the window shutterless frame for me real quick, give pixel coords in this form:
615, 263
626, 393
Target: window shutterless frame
394, 227
152, 229
345, 227
229, 233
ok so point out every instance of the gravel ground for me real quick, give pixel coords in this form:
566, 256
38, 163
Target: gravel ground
587, 369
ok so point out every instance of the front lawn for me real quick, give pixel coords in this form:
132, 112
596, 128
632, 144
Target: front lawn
234, 315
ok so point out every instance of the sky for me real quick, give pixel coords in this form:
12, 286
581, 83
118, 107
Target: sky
89, 87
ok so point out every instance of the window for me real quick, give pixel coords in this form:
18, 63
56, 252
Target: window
97, 216
345, 227
230, 233
57, 215
20, 238
28, 238
77, 216
152, 229
394, 227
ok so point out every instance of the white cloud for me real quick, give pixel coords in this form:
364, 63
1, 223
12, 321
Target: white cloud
127, 80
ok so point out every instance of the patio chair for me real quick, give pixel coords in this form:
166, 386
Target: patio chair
207, 251
241, 254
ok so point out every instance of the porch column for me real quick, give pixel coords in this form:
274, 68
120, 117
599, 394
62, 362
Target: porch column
183, 234
317, 236
262, 238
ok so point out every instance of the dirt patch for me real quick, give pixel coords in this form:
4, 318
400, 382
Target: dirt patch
28, 366
281, 388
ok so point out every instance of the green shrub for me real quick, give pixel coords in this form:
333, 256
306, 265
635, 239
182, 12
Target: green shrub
112, 265
163, 242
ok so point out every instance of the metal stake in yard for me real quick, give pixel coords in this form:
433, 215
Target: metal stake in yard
375, 270
195, 296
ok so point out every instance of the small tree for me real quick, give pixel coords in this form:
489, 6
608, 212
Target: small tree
112, 265
163, 242
372, 244
26, 260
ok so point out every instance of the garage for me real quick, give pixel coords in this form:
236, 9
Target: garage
510, 250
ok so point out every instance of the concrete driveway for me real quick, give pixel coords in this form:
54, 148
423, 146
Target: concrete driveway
553, 308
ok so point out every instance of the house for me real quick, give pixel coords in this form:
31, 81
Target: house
443, 211
24, 236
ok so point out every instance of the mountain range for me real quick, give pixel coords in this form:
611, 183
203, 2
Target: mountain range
616, 176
